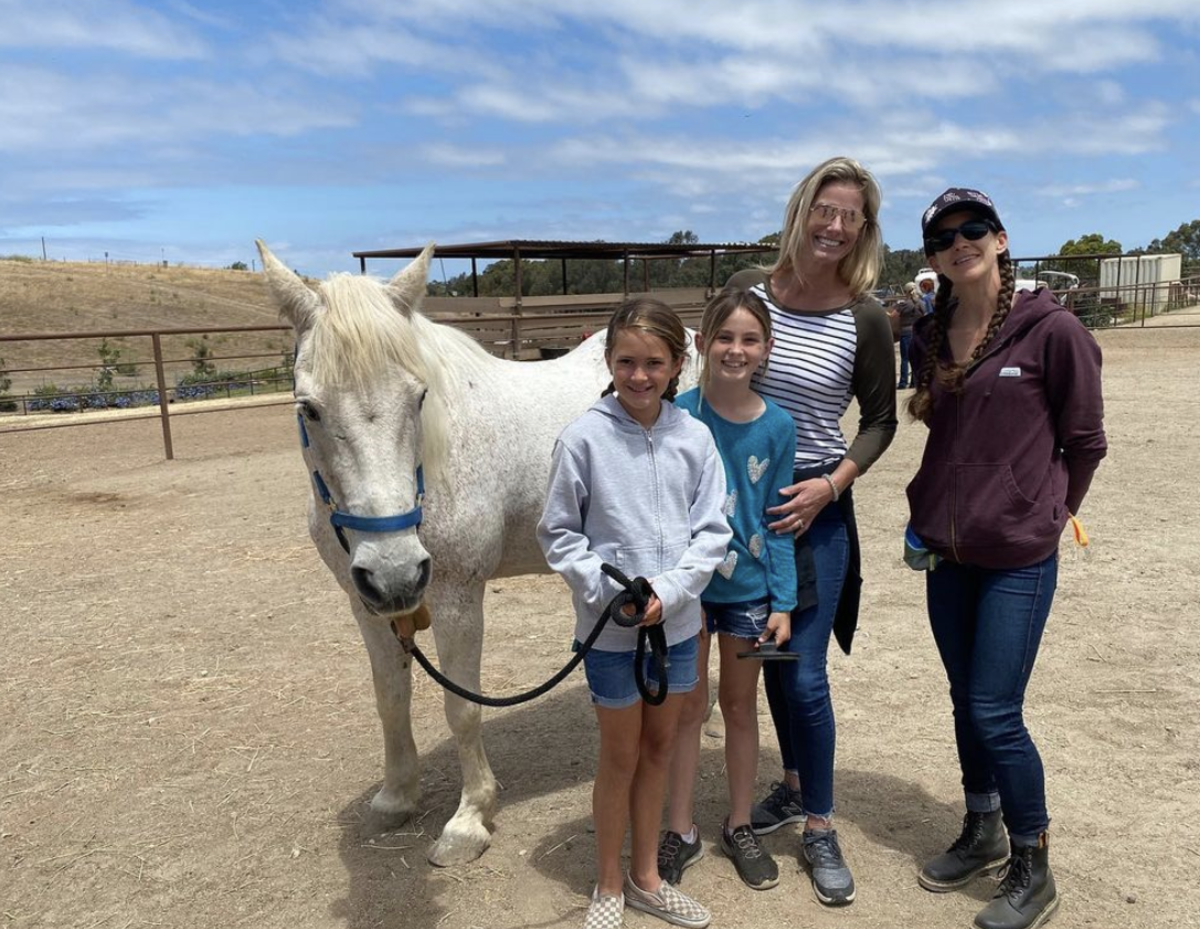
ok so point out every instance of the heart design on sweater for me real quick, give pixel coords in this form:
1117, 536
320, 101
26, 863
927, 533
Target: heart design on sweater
725, 568
757, 468
756, 545
730, 504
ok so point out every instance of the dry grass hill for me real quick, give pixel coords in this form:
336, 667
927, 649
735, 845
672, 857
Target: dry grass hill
60, 297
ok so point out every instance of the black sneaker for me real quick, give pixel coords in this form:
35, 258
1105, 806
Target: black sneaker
831, 879
754, 864
778, 808
675, 855
982, 846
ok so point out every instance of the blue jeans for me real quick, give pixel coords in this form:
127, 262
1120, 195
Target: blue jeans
905, 342
798, 691
988, 625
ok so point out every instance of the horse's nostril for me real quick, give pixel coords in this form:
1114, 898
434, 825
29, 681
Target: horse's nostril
364, 583
423, 573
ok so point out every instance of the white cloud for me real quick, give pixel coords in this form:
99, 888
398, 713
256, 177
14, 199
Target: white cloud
74, 114
112, 25
1112, 186
457, 156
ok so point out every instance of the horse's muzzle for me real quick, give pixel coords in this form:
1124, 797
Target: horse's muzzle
386, 596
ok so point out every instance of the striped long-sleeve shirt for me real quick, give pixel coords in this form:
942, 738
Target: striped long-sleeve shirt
822, 360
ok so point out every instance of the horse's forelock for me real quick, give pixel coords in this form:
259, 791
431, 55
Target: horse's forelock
361, 335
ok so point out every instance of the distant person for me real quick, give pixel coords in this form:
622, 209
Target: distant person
833, 343
749, 601
636, 483
1009, 386
928, 288
909, 310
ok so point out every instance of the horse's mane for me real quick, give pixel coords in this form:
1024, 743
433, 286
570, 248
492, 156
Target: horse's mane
362, 333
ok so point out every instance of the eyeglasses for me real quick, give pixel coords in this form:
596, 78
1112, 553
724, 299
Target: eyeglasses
851, 219
972, 230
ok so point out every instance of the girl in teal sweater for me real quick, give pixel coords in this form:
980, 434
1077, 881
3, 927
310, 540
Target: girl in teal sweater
751, 596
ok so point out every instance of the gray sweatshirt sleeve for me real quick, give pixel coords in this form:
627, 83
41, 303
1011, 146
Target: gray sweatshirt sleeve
560, 532
710, 537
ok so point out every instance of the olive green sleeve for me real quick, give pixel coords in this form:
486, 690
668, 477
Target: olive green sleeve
874, 383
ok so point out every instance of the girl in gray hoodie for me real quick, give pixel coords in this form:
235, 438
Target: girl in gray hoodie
636, 483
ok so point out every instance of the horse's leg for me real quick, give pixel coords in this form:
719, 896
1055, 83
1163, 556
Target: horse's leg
458, 632
392, 674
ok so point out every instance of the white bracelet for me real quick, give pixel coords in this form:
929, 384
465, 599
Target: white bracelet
832, 486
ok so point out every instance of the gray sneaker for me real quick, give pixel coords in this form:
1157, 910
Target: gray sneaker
831, 879
778, 808
676, 855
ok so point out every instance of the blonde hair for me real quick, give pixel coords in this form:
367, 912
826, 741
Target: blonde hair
858, 270
645, 314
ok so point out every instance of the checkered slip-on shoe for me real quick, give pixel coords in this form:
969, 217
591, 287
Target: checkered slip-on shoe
667, 903
605, 912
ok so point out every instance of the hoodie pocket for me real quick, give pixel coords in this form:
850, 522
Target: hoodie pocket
990, 509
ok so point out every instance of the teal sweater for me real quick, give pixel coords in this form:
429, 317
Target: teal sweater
758, 459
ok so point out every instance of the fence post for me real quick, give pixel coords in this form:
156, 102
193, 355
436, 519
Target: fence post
161, 376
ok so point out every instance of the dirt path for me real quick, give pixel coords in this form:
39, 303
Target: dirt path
189, 737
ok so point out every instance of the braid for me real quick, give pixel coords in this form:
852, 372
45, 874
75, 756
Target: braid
920, 405
672, 389
1003, 305
610, 389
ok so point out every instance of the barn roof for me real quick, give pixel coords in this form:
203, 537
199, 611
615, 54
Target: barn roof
542, 248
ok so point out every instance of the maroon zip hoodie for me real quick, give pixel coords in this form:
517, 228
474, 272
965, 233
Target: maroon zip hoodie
1011, 455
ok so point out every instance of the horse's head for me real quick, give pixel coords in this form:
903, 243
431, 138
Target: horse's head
361, 383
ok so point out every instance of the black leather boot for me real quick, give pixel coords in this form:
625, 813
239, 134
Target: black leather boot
982, 846
1027, 895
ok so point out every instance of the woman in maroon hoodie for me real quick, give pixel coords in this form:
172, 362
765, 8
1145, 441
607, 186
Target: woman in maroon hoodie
1009, 386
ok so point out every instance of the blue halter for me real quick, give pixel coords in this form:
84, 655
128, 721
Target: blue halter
340, 519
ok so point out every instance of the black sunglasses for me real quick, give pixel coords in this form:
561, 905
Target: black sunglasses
972, 230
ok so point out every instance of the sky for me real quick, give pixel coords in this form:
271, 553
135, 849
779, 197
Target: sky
181, 131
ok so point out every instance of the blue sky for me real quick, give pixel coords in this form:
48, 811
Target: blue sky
184, 130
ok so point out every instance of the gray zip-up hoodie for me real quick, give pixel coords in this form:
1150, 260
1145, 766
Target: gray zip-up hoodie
647, 501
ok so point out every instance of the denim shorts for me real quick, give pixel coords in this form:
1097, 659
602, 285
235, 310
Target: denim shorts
747, 620
613, 685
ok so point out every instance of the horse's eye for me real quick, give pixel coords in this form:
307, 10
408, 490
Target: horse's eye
310, 412
421, 402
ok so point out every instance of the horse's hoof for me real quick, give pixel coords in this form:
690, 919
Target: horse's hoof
459, 845
389, 810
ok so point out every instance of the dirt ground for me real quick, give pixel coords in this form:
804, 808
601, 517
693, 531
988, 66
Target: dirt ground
188, 736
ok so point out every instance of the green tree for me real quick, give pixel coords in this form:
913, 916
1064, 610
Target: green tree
239, 266
1185, 240
201, 352
108, 363
1092, 244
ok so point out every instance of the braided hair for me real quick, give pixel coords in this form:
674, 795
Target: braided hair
951, 376
645, 314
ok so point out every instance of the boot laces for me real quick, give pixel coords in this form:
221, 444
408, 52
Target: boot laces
1017, 872
972, 832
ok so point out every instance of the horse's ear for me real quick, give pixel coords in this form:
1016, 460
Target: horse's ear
297, 303
407, 288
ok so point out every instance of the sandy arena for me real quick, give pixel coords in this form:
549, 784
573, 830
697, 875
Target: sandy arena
189, 735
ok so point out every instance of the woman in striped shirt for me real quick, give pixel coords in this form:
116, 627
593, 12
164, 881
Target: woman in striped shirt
833, 343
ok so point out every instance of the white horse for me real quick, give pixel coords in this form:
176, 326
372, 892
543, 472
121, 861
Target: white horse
382, 392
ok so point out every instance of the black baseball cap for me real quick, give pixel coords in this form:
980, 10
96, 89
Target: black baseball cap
956, 199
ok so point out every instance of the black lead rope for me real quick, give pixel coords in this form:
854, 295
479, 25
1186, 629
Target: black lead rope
638, 592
